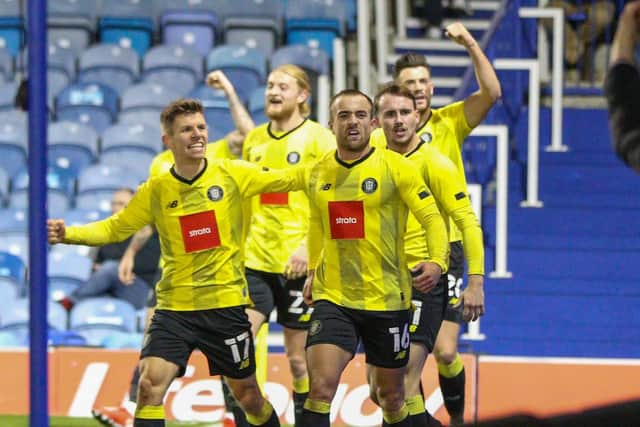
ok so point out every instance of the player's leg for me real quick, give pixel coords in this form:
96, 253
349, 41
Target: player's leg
258, 315
165, 351
224, 337
426, 319
331, 344
451, 372
123, 415
450, 367
386, 341
294, 315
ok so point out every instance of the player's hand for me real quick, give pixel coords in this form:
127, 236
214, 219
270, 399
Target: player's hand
235, 140
307, 290
125, 268
297, 265
217, 80
56, 231
426, 276
459, 34
472, 298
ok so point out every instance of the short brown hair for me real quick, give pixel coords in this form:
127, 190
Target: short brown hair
349, 92
410, 60
177, 108
393, 89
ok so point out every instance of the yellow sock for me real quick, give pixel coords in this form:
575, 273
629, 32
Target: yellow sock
263, 416
301, 385
453, 369
415, 405
395, 417
150, 412
262, 354
317, 406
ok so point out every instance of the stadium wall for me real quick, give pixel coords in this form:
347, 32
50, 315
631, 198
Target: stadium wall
80, 379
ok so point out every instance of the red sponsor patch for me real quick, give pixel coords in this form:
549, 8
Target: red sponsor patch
200, 231
274, 198
347, 220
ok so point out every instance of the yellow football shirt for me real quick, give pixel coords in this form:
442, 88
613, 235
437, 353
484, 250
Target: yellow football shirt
279, 221
358, 221
162, 162
450, 195
200, 225
446, 130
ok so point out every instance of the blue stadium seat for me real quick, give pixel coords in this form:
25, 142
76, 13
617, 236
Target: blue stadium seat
314, 61
4, 186
16, 243
71, 24
256, 105
7, 65
148, 98
127, 23
109, 64
13, 141
246, 68
61, 287
253, 23
122, 340
177, 67
9, 339
315, 23
72, 146
95, 318
80, 217
481, 155
58, 201
194, 28
89, 103
310, 59
12, 26
70, 266
58, 179
16, 316
131, 135
13, 220
66, 339
216, 111
133, 159
7, 95
8, 291
97, 183
106, 177
13, 268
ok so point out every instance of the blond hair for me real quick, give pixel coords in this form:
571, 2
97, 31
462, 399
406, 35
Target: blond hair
302, 79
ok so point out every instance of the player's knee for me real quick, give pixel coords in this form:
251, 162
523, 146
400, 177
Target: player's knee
147, 393
322, 389
446, 355
297, 364
248, 396
390, 398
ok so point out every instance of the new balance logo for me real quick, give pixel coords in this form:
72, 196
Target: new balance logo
173, 204
325, 187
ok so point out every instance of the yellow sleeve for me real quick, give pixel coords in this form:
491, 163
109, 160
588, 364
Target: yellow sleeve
253, 179
219, 150
418, 198
455, 115
449, 191
314, 237
117, 227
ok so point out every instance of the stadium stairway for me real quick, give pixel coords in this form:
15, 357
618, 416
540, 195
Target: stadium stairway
576, 285
448, 60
